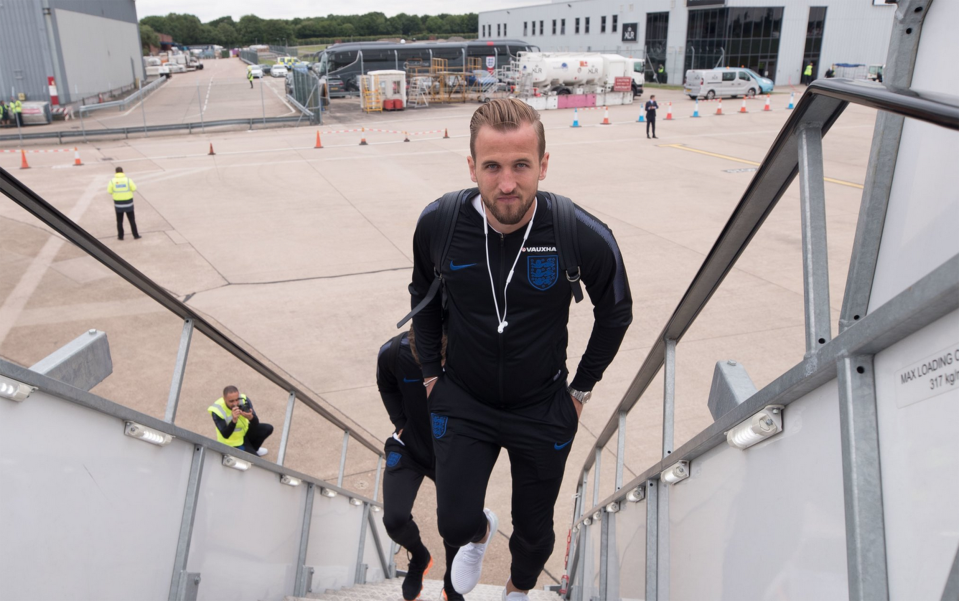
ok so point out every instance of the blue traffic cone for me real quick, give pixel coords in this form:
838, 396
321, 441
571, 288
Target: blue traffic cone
696, 110
791, 96
575, 118
640, 120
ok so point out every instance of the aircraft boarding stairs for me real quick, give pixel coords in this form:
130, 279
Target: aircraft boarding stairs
390, 590
801, 508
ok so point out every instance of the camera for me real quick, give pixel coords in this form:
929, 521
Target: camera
245, 406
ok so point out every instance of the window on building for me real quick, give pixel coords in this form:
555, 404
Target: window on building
586, 25
540, 28
657, 25
602, 24
497, 30
576, 26
554, 26
615, 22
525, 32
734, 37
814, 31
504, 30
562, 27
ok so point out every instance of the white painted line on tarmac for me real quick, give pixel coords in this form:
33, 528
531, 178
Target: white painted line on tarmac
14, 303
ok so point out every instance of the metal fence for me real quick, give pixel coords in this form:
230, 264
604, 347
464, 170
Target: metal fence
710, 516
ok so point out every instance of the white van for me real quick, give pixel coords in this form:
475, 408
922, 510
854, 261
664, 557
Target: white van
724, 83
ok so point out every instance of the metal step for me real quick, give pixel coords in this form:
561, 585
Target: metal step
391, 590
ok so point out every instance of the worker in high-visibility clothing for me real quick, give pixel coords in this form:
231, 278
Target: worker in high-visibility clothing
18, 111
122, 189
3, 113
661, 74
249, 75
237, 424
807, 74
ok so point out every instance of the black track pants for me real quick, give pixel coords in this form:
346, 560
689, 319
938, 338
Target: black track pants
467, 438
132, 218
401, 482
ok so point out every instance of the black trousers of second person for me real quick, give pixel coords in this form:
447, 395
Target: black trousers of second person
467, 437
133, 223
650, 123
256, 436
401, 483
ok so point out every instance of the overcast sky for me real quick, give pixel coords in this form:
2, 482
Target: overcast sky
207, 10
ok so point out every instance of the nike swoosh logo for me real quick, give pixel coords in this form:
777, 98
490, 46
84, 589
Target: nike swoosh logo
458, 267
560, 447
408, 381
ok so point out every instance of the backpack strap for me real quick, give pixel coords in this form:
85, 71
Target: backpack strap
441, 236
567, 243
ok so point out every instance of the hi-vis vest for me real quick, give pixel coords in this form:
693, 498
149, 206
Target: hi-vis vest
242, 424
17, 107
808, 70
122, 188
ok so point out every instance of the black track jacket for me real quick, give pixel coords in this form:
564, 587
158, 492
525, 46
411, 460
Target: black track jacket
401, 388
526, 364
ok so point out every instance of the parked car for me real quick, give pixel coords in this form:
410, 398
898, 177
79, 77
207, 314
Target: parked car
278, 70
725, 83
336, 87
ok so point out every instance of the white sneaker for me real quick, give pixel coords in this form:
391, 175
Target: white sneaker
514, 596
262, 451
468, 563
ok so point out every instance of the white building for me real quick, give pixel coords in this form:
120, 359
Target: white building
774, 37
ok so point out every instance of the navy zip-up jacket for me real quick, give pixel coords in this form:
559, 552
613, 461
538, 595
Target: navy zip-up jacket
526, 364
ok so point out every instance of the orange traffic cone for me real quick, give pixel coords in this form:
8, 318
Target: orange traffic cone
211, 153
406, 136
23, 160
669, 111
767, 107
742, 109
318, 143
76, 158
363, 139
446, 133
605, 116
719, 108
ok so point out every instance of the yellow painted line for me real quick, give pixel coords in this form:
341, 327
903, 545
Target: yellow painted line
754, 163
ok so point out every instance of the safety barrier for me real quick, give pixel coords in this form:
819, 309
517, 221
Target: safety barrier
809, 512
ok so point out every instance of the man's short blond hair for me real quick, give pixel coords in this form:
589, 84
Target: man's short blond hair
506, 114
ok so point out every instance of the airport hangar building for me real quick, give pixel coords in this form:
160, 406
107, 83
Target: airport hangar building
775, 38
68, 49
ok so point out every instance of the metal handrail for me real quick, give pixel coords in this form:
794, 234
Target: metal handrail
823, 102
126, 131
63, 225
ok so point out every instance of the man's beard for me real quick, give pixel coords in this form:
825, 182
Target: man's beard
511, 214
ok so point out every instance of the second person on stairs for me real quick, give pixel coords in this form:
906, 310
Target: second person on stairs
409, 458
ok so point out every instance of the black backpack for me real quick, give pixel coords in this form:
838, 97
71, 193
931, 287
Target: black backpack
564, 226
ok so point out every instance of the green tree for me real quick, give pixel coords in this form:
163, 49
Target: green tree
250, 29
148, 37
436, 25
277, 31
157, 24
228, 20
226, 35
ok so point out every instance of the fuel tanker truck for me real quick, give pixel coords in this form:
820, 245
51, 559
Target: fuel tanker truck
580, 73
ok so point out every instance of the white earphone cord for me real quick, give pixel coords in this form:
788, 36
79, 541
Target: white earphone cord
502, 320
